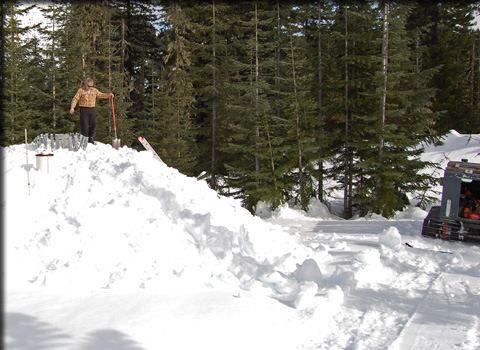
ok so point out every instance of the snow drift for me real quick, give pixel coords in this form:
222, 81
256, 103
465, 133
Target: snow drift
114, 250
103, 218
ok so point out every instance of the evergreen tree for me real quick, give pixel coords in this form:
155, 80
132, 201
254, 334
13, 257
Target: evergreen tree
474, 80
177, 147
390, 159
318, 20
38, 114
255, 144
138, 52
51, 15
448, 45
259, 96
69, 67
112, 79
354, 36
15, 72
57, 36
92, 52
301, 110
210, 35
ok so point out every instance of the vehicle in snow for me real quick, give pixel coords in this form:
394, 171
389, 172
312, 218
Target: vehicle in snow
458, 217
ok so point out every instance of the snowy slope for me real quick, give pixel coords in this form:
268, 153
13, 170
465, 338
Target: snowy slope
114, 250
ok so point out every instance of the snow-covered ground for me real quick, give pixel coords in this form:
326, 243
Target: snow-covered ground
112, 249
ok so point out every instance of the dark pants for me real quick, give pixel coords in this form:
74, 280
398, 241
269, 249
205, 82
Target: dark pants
87, 121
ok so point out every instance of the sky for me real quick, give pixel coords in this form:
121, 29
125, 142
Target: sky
35, 15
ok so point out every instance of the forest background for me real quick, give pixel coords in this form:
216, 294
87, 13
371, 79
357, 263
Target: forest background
266, 100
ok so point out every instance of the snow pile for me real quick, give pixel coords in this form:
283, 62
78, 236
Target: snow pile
316, 210
454, 147
119, 219
390, 238
114, 250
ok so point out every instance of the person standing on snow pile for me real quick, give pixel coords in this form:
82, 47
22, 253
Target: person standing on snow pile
86, 97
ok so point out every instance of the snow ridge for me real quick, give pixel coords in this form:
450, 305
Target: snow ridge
115, 250
121, 219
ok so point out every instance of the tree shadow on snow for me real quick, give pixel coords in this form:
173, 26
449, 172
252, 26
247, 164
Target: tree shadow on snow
109, 339
24, 332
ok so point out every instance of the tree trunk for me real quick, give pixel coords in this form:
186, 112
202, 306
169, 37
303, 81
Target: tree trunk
297, 120
213, 182
122, 49
383, 99
12, 76
347, 200
320, 106
110, 56
279, 60
257, 92
53, 68
476, 79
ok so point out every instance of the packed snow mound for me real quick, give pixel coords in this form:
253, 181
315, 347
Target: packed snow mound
454, 147
104, 221
390, 238
316, 210
106, 218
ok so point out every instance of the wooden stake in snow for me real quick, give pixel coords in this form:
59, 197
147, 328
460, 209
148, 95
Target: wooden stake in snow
28, 167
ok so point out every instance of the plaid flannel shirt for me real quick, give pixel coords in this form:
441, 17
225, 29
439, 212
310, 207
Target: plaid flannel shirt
86, 99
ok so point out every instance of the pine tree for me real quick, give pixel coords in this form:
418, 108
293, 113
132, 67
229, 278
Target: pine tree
51, 16
38, 114
317, 21
15, 72
474, 79
209, 37
255, 144
58, 39
390, 159
113, 80
92, 51
260, 96
448, 42
177, 147
301, 110
353, 35
138, 46
69, 69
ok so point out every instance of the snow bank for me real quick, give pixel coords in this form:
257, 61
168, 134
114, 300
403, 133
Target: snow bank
455, 147
316, 210
114, 249
390, 238
119, 219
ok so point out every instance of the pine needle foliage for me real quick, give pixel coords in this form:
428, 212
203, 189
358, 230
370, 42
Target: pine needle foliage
273, 101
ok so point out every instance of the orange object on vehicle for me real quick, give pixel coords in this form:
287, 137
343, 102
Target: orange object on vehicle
475, 216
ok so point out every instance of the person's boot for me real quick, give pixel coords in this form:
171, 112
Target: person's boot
91, 140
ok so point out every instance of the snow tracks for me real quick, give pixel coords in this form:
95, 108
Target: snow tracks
397, 297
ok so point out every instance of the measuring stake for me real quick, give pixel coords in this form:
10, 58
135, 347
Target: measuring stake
28, 168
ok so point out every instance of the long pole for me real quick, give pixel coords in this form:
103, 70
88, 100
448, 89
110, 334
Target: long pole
113, 114
28, 167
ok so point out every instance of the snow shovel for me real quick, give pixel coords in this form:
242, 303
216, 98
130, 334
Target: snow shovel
116, 142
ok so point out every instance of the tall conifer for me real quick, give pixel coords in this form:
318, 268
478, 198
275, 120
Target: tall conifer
15, 73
